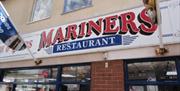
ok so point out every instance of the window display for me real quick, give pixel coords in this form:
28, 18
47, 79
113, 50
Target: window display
63, 78
31, 76
29, 80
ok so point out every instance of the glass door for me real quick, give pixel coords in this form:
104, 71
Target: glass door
157, 74
154, 88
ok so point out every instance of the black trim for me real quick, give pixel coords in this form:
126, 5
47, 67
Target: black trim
1, 75
125, 76
59, 81
178, 68
152, 59
44, 66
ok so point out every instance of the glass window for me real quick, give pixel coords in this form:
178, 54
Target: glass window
154, 88
35, 87
29, 80
152, 71
6, 87
31, 76
25, 87
76, 87
42, 9
76, 78
76, 74
71, 5
73, 78
159, 74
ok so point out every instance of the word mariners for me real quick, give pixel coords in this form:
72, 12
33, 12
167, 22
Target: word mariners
109, 25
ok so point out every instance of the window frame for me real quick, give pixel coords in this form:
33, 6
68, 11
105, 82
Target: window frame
58, 83
33, 12
135, 82
73, 10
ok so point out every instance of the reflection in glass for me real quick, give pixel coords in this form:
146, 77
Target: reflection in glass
76, 74
42, 9
75, 87
25, 87
7, 87
70, 87
152, 71
154, 88
136, 88
35, 87
71, 5
76, 78
31, 76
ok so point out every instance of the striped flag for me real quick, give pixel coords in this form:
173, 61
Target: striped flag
8, 33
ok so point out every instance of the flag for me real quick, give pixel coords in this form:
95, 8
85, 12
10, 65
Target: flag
150, 5
8, 34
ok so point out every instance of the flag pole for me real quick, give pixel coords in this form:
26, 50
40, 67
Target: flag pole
34, 58
153, 6
161, 50
28, 49
159, 21
30, 52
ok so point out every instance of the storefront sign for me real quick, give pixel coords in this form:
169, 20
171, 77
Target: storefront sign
116, 24
88, 44
126, 29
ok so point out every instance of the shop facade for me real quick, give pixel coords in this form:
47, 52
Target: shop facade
116, 51
148, 74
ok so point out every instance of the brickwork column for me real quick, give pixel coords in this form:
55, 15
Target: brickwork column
107, 79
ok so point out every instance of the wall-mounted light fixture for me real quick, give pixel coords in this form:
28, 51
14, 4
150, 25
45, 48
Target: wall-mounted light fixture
106, 64
161, 51
38, 62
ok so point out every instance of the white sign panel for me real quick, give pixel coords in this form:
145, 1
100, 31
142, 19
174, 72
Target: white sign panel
127, 29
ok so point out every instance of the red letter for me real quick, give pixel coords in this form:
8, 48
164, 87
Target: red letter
127, 23
45, 41
81, 30
146, 27
58, 36
109, 24
71, 32
95, 27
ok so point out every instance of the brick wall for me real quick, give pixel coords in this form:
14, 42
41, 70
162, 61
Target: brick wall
107, 79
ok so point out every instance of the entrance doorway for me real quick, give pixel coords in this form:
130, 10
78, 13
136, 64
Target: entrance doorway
153, 74
154, 88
